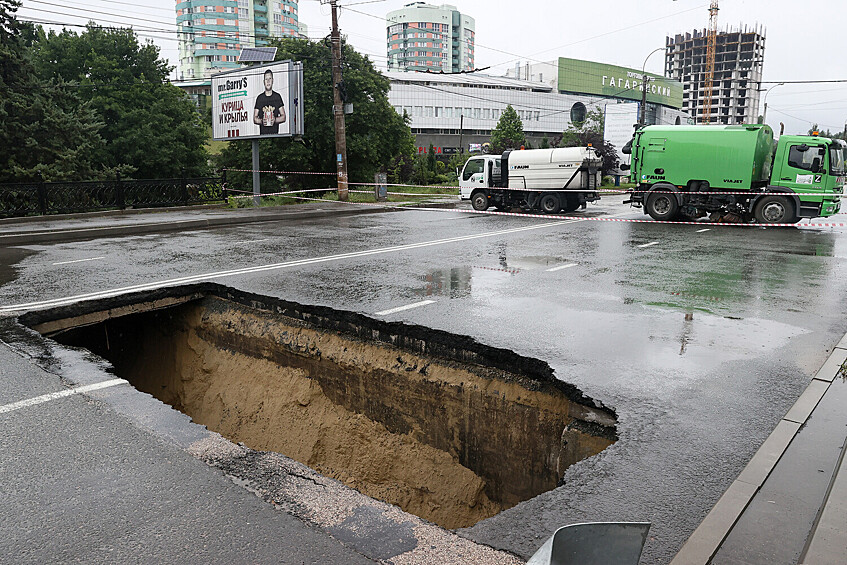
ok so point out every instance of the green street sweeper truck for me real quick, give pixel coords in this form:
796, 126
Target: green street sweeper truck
735, 173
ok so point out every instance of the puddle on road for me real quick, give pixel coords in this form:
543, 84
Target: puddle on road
438, 424
9, 257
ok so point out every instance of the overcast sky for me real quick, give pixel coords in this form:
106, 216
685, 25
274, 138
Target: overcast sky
805, 39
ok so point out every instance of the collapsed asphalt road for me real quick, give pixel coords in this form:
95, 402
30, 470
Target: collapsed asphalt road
699, 340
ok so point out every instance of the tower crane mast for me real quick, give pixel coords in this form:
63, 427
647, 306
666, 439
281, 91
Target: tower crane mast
711, 43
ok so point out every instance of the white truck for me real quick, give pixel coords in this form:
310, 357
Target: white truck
548, 180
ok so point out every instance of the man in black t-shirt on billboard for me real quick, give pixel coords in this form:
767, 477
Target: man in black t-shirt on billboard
270, 110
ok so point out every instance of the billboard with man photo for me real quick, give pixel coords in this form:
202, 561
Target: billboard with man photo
258, 101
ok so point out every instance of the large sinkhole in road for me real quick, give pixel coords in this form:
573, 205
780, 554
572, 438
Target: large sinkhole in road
438, 424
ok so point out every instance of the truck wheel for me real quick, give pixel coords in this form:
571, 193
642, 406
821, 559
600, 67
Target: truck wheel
550, 203
479, 200
662, 206
571, 203
774, 210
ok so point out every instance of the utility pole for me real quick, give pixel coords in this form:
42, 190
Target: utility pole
461, 133
645, 84
338, 106
765, 112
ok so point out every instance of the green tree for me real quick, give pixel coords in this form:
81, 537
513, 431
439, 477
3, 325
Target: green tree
152, 128
590, 132
45, 130
377, 137
509, 132
431, 160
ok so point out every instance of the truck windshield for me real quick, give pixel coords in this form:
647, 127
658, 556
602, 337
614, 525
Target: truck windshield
836, 160
473, 167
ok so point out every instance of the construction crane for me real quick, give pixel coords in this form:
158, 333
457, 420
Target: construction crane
711, 44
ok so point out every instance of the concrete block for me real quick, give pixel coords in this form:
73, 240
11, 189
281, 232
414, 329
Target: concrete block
832, 365
709, 535
763, 462
827, 544
802, 409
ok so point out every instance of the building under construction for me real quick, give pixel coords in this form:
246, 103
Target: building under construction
739, 56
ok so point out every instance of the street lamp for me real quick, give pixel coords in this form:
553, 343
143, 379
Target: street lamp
643, 121
768, 91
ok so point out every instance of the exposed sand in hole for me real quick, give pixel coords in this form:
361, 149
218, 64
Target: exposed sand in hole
450, 442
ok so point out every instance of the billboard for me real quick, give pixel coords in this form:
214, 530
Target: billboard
619, 122
587, 77
258, 101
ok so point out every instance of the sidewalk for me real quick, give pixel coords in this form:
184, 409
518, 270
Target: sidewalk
789, 504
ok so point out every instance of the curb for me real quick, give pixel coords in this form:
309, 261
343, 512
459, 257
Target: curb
707, 539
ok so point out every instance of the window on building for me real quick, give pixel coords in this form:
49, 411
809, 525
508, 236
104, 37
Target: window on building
578, 113
419, 110
439, 112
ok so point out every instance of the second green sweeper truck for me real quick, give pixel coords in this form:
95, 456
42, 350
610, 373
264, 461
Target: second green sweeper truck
735, 173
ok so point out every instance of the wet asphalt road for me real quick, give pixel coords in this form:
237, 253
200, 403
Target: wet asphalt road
699, 340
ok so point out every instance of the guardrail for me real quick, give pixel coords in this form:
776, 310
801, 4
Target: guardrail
43, 198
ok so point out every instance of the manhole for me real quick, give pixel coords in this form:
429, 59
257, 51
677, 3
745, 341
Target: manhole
444, 427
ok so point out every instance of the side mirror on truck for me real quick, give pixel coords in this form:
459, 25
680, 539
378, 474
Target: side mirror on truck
816, 165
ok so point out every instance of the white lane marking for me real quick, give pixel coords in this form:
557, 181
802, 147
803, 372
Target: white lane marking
252, 241
78, 261
404, 308
701, 231
649, 244
560, 267
262, 268
55, 395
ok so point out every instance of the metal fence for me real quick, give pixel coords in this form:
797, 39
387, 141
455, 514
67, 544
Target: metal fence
42, 198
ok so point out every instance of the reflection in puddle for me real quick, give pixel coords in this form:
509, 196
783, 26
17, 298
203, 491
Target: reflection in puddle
453, 283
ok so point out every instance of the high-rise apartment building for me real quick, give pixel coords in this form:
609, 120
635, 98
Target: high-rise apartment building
213, 32
424, 37
739, 57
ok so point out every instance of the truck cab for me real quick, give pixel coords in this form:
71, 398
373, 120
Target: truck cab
812, 167
481, 171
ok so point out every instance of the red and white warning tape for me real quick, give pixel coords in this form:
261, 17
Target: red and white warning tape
510, 271
570, 190
291, 194
281, 172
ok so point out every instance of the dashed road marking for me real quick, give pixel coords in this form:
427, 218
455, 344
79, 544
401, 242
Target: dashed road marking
404, 308
61, 394
701, 231
649, 244
560, 267
78, 261
276, 266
